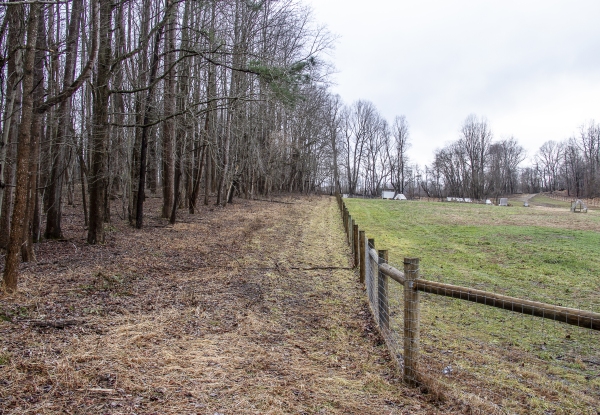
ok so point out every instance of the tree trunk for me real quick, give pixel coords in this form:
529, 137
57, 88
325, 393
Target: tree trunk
149, 108
82, 172
195, 178
179, 156
27, 252
11, 267
221, 197
100, 127
11, 118
168, 155
54, 214
207, 174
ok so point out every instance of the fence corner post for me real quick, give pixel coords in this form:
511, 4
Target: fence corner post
411, 322
382, 294
363, 260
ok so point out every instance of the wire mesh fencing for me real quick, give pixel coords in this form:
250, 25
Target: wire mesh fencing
495, 353
491, 352
509, 359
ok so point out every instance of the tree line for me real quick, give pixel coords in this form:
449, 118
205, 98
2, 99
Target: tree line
572, 165
373, 157
185, 99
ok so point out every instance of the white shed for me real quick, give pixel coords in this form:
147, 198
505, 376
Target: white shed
387, 194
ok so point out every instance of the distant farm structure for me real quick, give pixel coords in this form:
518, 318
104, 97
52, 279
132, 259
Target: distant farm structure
390, 194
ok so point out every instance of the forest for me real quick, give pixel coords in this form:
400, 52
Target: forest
122, 100
199, 102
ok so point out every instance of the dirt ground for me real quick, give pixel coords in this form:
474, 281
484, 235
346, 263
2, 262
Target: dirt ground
251, 309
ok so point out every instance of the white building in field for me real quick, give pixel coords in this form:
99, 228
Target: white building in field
392, 195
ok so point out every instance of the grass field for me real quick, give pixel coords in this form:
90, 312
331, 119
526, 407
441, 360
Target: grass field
544, 253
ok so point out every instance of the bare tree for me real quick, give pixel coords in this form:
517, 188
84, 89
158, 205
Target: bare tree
54, 213
399, 159
589, 146
10, 276
549, 158
100, 126
14, 17
476, 138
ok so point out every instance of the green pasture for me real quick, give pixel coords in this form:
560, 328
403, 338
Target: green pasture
542, 253
545, 254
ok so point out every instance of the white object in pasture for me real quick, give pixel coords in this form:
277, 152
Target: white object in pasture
387, 195
578, 206
503, 201
400, 196
488, 202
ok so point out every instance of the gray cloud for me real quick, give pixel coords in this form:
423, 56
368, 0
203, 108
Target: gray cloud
530, 67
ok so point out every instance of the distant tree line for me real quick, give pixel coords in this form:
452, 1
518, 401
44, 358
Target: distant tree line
572, 165
373, 157
477, 167
370, 154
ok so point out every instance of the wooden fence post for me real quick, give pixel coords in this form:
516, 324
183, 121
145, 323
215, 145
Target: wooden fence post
372, 282
349, 230
382, 294
345, 219
356, 243
362, 243
351, 233
411, 321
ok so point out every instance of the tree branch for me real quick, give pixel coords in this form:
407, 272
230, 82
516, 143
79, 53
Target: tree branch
85, 73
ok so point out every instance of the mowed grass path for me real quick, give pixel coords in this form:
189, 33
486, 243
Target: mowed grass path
519, 363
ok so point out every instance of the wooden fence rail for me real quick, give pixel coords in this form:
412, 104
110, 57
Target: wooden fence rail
364, 252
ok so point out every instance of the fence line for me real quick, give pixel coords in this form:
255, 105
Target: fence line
375, 273
589, 202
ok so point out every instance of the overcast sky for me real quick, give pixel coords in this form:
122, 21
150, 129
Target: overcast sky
531, 67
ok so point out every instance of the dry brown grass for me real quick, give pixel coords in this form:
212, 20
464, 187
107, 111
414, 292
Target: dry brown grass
207, 316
